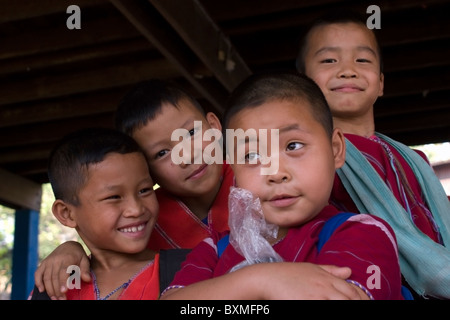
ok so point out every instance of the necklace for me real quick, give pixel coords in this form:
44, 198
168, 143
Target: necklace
97, 291
123, 285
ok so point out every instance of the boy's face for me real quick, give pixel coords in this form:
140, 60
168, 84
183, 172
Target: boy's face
182, 180
118, 207
307, 161
343, 60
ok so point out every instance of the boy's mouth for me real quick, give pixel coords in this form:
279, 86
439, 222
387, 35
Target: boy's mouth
347, 88
198, 173
133, 229
283, 200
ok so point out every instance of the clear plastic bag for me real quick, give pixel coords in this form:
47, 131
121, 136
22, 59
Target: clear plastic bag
249, 230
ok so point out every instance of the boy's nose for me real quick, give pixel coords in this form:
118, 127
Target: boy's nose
347, 75
134, 208
347, 70
279, 177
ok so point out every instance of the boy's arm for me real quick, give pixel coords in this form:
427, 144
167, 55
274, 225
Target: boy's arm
51, 275
266, 281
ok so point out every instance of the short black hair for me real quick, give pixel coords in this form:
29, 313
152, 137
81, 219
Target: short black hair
334, 17
71, 157
260, 88
144, 101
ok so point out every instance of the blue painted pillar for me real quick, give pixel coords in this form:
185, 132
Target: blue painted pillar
25, 253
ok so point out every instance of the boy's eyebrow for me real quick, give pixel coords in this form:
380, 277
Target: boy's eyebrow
367, 48
162, 140
284, 129
112, 187
244, 141
327, 49
291, 127
337, 49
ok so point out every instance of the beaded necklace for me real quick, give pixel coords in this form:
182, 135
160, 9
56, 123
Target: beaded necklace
97, 291
123, 285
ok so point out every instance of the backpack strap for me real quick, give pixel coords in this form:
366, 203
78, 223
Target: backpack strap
222, 244
330, 225
169, 263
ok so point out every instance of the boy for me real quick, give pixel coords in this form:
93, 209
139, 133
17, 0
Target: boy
343, 57
193, 198
103, 189
295, 199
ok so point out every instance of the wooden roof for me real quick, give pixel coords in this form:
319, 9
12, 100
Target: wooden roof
54, 80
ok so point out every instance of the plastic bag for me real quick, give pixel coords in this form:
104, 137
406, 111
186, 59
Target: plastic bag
249, 230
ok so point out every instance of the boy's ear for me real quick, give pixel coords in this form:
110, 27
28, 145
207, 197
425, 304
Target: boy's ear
338, 145
381, 92
213, 121
64, 213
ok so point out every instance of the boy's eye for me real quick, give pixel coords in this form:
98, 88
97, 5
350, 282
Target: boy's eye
161, 153
330, 60
145, 191
362, 60
113, 197
294, 146
252, 157
192, 131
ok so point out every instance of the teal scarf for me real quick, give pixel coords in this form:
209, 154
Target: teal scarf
424, 263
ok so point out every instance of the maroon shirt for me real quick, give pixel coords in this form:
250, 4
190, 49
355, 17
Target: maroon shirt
360, 242
377, 152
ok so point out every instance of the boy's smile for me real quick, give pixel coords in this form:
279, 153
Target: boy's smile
342, 59
187, 179
117, 206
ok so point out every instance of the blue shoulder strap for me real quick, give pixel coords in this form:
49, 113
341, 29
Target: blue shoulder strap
328, 229
222, 244
331, 225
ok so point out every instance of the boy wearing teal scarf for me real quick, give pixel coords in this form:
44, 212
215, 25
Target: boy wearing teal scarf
381, 176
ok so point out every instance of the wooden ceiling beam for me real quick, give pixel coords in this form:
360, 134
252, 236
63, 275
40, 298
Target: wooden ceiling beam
417, 81
31, 153
191, 21
46, 86
49, 60
19, 192
420, 121
400, 105
148, 21
59, 109
223, 11
420, 137
26, 9
48, 132
40, 41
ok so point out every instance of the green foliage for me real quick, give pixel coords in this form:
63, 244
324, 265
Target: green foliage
51, 234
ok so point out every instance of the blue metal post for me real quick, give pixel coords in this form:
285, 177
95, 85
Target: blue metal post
25, 253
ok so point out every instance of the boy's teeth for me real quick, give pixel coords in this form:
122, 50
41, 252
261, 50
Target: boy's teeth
133, 229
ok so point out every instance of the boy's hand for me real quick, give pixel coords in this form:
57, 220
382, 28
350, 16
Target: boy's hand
279, 281
305, 281
51, 275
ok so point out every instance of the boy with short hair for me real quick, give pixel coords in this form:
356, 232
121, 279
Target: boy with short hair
193, 197
343, 57
294, 200
104, 190
194, 194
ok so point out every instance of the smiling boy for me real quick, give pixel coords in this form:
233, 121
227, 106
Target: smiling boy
193, 198
381, 175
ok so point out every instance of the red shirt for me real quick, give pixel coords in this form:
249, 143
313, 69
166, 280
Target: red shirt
178, 227
360, 242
